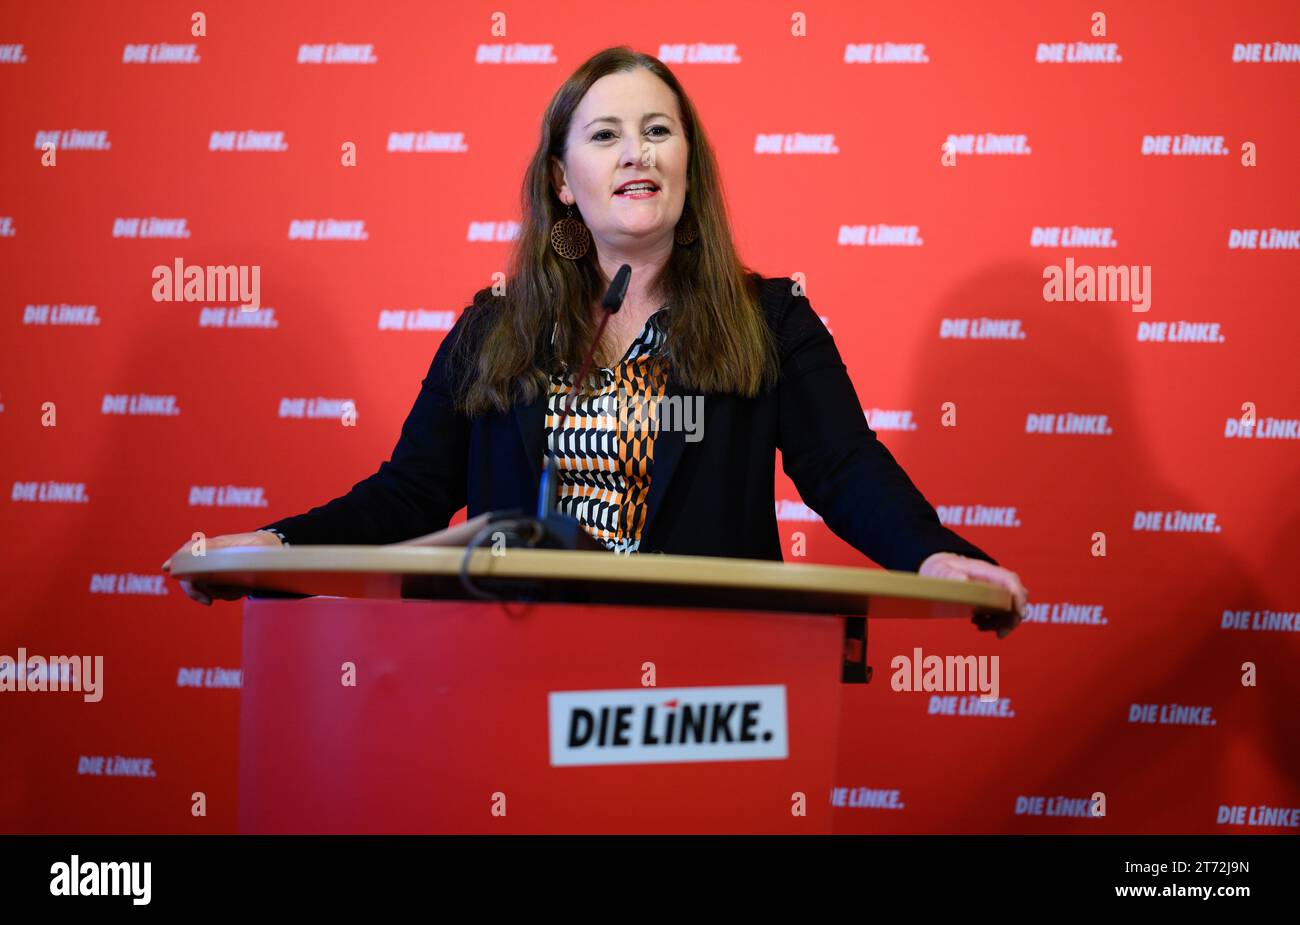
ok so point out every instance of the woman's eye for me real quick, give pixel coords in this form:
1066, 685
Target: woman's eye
662, 130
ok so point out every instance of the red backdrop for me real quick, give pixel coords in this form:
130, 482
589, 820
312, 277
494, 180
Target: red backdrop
1165, 617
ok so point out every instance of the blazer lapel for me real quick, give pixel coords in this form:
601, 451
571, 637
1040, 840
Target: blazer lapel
530, 418
668, 448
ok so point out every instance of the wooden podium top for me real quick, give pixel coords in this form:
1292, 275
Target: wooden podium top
589, 577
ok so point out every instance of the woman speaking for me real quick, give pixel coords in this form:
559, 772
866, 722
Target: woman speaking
624, 175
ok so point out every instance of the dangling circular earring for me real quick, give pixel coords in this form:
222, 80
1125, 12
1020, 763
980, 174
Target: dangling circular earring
570, 237
687, 232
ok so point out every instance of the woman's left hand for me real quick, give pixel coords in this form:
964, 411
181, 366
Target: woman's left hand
960, 568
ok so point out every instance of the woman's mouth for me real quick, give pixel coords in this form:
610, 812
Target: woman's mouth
638, 190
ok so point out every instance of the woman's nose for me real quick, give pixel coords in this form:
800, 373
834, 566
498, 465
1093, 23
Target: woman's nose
631, 153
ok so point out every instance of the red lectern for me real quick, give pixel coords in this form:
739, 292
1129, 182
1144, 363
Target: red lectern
369, 713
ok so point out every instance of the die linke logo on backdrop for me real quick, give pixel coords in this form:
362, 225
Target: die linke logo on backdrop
886, 53
987, 143
247, 140
1259, 52
337, 53
1077, 53
667, 725
160, 53
795, 143
517, 53
74, 139
699, 53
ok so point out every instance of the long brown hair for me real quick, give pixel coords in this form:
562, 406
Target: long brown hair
718, 339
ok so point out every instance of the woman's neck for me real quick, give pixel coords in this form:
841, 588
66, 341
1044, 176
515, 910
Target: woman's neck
640, 300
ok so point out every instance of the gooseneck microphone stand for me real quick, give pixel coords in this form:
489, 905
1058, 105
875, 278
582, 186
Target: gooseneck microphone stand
549, 529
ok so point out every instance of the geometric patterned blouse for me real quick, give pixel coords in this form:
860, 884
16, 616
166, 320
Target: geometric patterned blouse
604, 451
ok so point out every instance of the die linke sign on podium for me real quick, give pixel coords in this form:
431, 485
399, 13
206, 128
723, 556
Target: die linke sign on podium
670, 694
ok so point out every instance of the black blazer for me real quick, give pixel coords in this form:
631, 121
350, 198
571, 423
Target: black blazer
710, 497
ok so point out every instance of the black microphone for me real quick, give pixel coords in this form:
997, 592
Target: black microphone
548, 496
549, 529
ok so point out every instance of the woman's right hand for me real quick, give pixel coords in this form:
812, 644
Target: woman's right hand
204, 593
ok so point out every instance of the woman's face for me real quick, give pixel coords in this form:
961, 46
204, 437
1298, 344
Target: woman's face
627, 127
